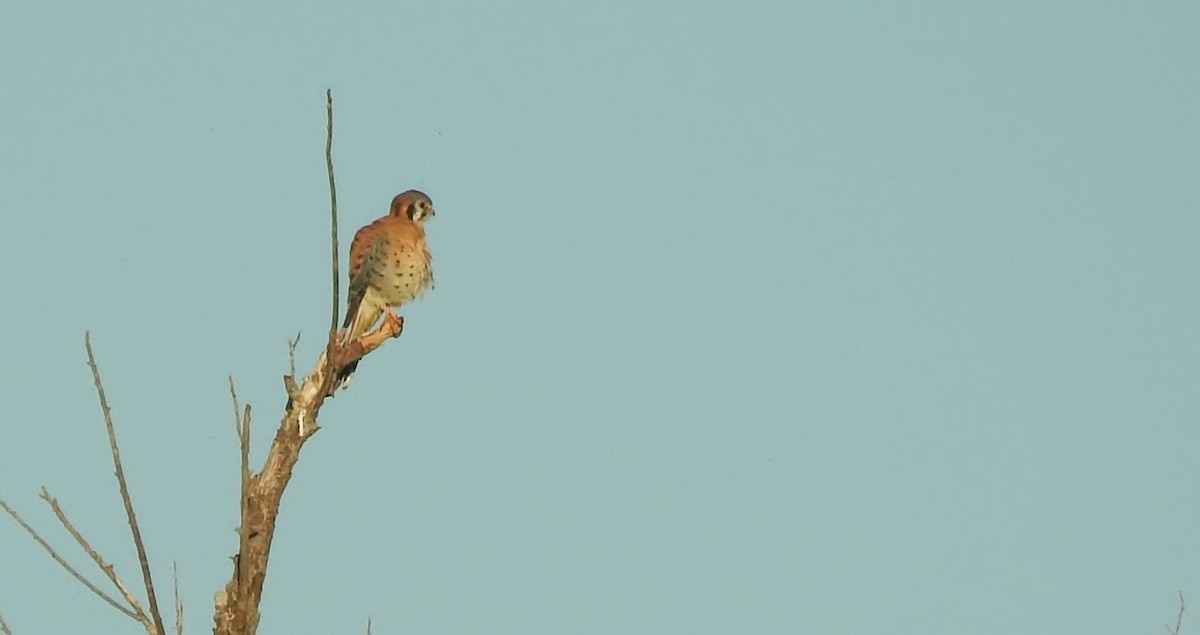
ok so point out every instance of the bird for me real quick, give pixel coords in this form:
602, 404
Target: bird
390, 265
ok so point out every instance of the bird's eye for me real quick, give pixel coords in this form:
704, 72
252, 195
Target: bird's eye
418, 210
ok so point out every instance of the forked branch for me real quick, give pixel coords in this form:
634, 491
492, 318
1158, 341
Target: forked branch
131, 607
106, 568
33, 533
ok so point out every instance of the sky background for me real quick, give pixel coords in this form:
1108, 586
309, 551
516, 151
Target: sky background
796, 318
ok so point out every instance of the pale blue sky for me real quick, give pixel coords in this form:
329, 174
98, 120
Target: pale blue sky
804, 318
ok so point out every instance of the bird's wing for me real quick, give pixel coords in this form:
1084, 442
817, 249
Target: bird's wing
365, 275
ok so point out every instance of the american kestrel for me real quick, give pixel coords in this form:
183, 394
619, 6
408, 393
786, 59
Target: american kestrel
389, 264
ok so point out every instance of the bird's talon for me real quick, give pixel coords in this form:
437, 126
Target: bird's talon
393, 322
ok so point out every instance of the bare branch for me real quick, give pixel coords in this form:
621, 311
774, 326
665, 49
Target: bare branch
241, 423
178, 602
333, 224
333, 228
237, 422
1178, 618
368, 626
105, 567
63, 563
244, 531
292, 354
120, 473
244, 443
4, 627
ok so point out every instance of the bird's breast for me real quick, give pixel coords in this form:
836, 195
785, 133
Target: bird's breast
405, 274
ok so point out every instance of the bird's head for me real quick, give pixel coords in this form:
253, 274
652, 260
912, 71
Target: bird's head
413, 205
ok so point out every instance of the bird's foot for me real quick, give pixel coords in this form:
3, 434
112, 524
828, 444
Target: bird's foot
392, 323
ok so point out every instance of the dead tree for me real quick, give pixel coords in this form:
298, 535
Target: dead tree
236, 611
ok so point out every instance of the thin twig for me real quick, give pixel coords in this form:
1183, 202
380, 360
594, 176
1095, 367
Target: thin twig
368, 626
120, 472
63, 563
237, 422
241, 423
1178, 618
105, 567
292, 354
178, 602
333, 243
244, 447
4, 627
333, 229
244, 441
